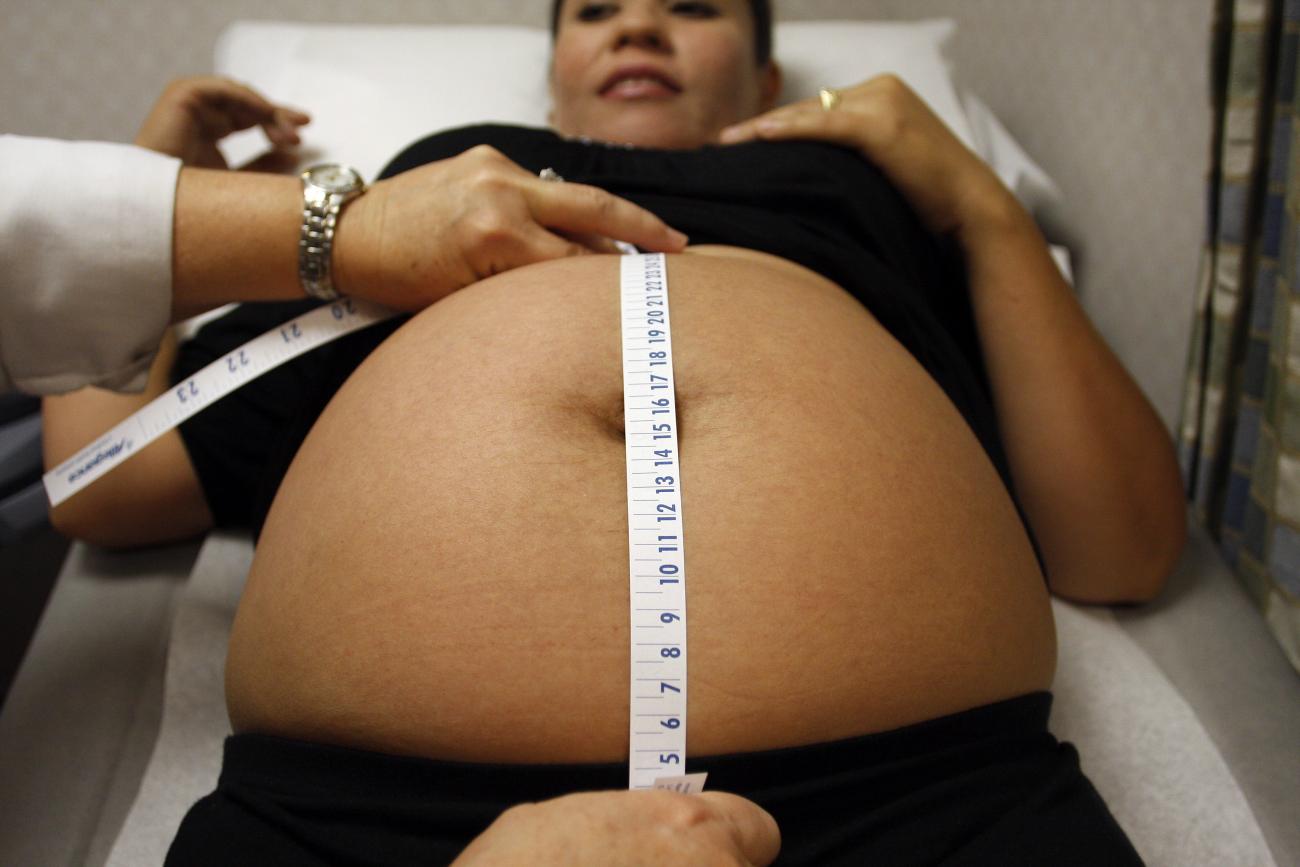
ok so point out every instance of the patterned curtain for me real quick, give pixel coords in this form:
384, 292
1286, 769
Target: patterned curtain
1239, 436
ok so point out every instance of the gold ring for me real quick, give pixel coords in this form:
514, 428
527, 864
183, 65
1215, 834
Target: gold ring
830, 98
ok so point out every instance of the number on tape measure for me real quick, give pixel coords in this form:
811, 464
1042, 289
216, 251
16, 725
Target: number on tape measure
260, 355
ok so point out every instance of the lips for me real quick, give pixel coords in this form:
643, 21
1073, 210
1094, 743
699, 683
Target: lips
639, 82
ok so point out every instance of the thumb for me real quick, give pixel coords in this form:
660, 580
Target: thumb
752, 828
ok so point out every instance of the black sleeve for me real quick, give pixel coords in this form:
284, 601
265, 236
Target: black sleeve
242, 445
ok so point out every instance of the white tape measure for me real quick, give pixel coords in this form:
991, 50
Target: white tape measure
210, 384
657, 565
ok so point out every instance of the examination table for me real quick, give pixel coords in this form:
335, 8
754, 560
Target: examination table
1185, 711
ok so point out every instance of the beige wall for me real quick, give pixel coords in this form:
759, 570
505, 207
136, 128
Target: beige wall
1108, 94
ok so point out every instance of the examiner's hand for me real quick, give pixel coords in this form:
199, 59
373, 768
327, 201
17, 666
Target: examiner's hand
629, 829
418, 236
948, 186
193, 114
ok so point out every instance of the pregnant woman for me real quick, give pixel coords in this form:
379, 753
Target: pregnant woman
898, 433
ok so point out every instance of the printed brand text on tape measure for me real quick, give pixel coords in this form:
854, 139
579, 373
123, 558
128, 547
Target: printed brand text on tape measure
657, 564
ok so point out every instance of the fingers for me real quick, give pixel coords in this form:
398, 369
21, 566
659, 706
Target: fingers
535, 244
592, 243
801, 120
587, 829
223, 106
749, 130
283, 128
755, 831
521, 245
877, 116
582, 211
539, 245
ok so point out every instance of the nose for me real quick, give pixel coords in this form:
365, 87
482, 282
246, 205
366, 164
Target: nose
642, 26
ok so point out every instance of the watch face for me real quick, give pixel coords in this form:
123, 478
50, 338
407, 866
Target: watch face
334, 178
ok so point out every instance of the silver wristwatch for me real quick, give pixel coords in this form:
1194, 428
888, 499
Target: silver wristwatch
325, 190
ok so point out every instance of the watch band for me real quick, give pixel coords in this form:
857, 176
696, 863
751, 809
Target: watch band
320, 211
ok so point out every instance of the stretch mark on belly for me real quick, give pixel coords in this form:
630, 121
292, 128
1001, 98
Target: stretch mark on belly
656, 559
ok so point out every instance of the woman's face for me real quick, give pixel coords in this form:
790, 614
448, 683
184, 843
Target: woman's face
657, 73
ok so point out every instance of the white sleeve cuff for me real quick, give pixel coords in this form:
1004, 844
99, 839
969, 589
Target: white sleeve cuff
86, 247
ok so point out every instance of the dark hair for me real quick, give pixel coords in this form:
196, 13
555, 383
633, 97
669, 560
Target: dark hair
761, 10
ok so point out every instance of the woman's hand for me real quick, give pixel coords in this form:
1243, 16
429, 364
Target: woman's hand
418, 236
948, 186
628, 828
193, 114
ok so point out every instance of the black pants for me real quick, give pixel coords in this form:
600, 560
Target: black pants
989, 786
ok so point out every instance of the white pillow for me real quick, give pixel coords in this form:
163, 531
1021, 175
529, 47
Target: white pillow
373, 90
817, 54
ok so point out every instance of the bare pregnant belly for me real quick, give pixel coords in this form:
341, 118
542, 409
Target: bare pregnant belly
444, 570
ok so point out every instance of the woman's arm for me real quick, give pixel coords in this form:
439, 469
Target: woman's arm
1094, 467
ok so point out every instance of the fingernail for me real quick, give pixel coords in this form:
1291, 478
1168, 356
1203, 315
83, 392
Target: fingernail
679, 238
770, 124
729, 134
